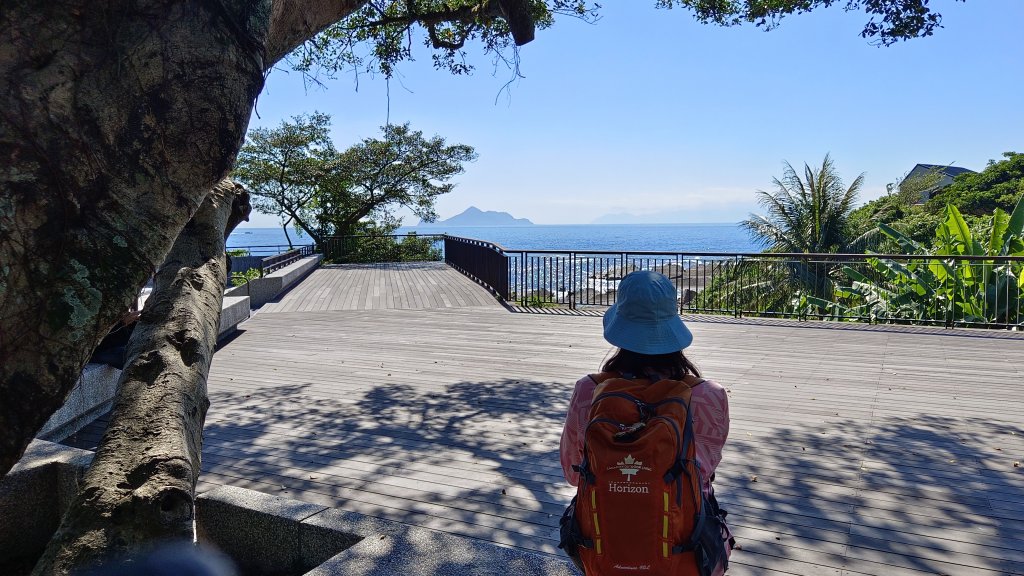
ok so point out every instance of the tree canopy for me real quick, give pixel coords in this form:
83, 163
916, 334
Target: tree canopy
295, 171
999, 185
283, 166
890, 20
901, 203
379, 34
976, 196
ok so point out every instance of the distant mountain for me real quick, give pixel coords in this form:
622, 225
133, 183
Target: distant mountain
621, 218
474, 216
704, 216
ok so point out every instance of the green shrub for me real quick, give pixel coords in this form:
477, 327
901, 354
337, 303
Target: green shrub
937, 289
239, 278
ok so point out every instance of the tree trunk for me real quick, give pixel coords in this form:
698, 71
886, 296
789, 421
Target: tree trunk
141, 485
116, 118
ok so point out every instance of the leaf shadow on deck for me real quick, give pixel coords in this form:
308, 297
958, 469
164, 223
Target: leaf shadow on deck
930, 494
477, 459
899, 495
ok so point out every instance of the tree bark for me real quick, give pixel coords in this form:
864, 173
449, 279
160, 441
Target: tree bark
295, 21
116, 118
141, 485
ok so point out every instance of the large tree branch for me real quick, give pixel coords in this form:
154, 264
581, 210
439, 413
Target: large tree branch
354, 216
295, 21
145, 470
294, 216
292, 22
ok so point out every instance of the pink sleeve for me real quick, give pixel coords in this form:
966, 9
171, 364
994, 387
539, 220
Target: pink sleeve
710, 407
571, 446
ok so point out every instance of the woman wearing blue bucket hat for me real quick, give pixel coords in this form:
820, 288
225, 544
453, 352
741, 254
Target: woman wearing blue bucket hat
649, 336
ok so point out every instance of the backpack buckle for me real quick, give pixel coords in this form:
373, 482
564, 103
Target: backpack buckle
584, 471
676, 470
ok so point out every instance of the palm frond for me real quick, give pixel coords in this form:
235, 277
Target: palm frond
808, 211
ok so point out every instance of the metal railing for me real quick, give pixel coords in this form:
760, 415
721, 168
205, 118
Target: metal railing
265, 264
267, 249
882, 288
482, 261
272, 263
382, 248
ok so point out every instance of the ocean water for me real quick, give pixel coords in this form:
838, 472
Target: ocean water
690, 238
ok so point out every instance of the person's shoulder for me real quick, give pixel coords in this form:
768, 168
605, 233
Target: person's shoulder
710, 388
712, 384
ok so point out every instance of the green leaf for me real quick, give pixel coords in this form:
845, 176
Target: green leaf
887, 270
873, 291
908, 245
909, 279
1015, 226
853, 274
822, 303
1000, 223
941, 269
959, 231
848, 292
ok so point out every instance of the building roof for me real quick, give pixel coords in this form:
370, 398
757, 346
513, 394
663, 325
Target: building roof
951, 171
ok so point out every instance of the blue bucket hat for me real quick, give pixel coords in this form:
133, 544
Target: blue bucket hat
645, 317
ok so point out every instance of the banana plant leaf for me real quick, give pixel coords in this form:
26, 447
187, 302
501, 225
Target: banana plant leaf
1000, 224
908, 245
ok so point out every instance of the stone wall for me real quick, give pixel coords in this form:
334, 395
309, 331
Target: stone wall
263, 290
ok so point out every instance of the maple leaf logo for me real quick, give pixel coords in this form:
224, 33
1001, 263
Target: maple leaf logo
629, 466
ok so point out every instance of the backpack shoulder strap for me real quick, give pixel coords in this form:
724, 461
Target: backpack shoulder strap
602, 376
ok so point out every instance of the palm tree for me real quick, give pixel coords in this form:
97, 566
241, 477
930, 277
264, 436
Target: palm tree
809, 215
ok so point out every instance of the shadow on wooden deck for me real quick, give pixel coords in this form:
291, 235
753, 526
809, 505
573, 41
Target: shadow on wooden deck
924, 494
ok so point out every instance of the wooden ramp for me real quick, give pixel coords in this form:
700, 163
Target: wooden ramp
852, 452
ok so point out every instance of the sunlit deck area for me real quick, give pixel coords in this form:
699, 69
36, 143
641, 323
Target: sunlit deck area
410, 394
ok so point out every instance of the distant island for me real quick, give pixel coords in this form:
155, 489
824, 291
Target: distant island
474, 216
704, 216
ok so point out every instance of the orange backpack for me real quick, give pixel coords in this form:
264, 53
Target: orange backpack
639, 508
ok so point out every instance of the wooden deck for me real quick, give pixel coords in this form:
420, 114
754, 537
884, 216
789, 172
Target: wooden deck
412, 285
878, 451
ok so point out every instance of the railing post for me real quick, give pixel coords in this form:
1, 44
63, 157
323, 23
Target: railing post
572, 280
950, 316
736, 293
521, 272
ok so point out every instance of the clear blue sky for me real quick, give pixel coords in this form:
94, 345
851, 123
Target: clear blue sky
650, 113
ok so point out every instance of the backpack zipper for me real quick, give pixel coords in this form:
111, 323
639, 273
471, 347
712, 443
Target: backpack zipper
641, 406
679, 442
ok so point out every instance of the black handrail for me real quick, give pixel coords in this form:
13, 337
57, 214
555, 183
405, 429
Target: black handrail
268, 249
272, 263
381, 248
482, 261
922, 289
783, 255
